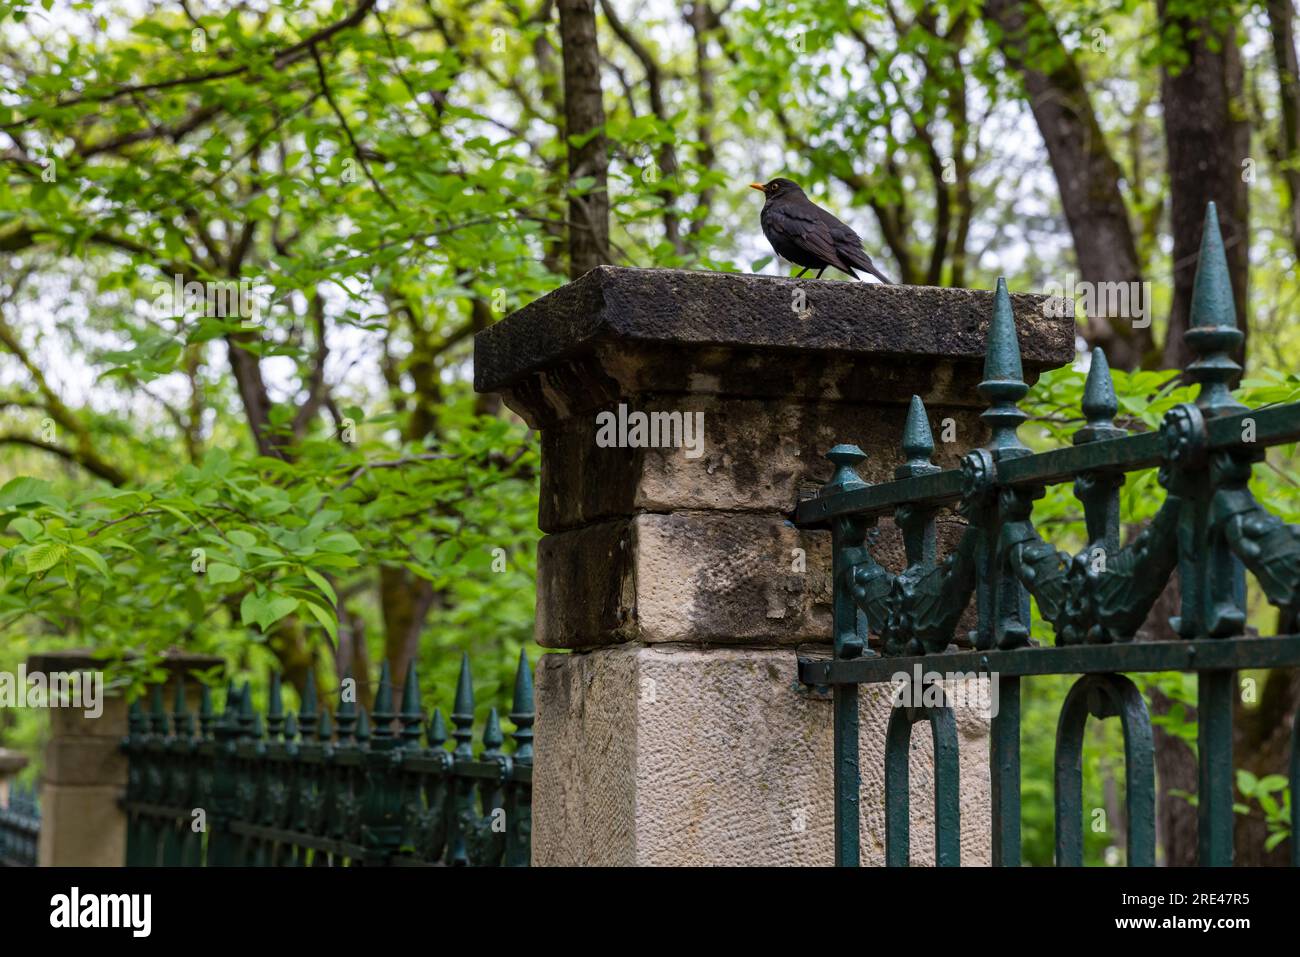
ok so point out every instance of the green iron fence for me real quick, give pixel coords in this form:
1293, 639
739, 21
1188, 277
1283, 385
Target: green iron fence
20, 827
1209, 530
317, 789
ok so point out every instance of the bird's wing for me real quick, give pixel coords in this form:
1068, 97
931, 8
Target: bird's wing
839, 231
849, 244
808, 230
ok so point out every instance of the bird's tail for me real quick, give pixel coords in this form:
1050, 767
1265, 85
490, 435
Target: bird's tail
878, 274
859, 258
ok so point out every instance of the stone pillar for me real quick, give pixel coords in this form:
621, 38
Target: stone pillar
675, 730
11, 762
84, 773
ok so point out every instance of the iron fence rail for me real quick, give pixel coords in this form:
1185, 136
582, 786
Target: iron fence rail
1208, 532
320, 789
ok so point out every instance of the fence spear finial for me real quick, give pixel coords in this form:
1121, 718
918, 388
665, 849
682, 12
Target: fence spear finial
1100, 403
157, 716
182, 723
492, 736
228, 720
205, 712
1004, 378
412, 716
345, 713
918, 443
462, 714
307, 706
1212, 331
437, 733
275, 708
248, 719
383, 705
521, 710
362, 734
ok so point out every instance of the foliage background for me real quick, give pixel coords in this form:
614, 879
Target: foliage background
388, 178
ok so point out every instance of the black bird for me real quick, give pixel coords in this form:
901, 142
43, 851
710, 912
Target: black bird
808, 236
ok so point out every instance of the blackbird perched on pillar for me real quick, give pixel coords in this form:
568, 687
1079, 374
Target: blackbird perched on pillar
808, 236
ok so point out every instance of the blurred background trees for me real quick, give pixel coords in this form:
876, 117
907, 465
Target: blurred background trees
310, 482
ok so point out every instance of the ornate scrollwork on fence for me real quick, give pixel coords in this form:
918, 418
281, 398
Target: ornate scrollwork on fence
1104, 592
1209, 529
1266, 545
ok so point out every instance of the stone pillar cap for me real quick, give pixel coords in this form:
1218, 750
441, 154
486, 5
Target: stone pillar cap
11, 761
618, 330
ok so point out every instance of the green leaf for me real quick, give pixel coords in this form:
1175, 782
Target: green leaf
342, 542
319, 580
328, 621
28, 528
25, 490
250, 609
178, 514
242, 538
1246, 782
43, 557
219, 573
93, 557
277, 607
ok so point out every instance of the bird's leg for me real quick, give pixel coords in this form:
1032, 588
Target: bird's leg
820, 271
800, 273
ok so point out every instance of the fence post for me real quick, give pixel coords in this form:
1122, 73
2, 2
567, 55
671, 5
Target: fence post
679, 732
83, 774
83, 777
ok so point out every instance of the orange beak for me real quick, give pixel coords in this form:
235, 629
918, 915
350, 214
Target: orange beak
757, 186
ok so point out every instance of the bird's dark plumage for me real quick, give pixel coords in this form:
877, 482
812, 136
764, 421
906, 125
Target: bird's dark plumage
808, 236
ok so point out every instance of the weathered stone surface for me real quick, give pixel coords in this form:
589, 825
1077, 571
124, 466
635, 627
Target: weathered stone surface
73, 722
587, 786
695, 576
716, 757
11, 762
81, 826
586, 587
85, 760
84, 777
757, 455
679, 734
738, 312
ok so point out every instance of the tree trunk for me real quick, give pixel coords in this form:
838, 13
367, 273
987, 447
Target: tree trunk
584, 117
703, 22
405, 600
1086, 173
1206, 142
1281, 23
